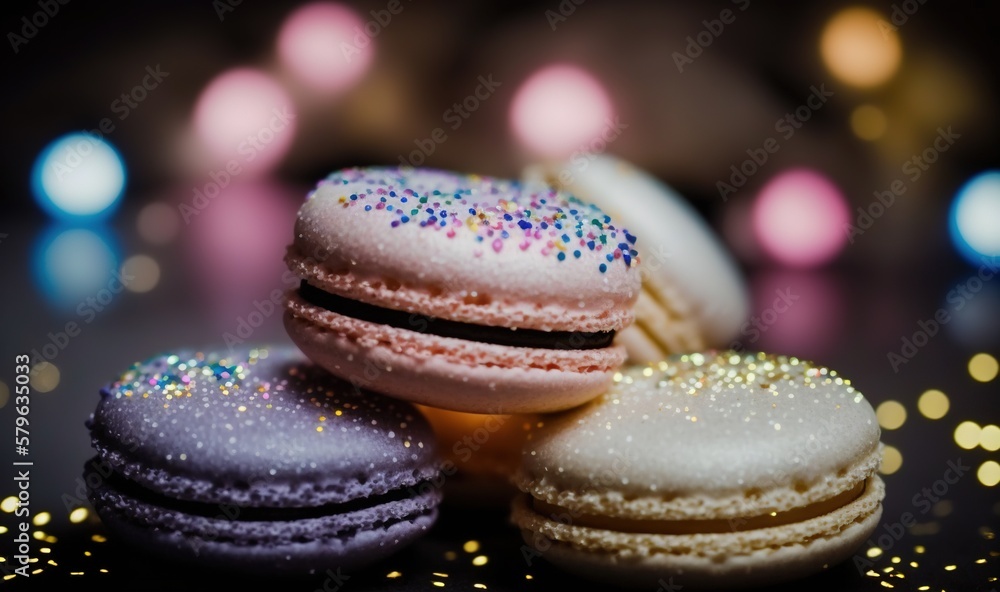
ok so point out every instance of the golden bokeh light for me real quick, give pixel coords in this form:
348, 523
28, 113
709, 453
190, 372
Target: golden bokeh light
4, 394
967, 434
892, 460
9, 504
989, 438
868, 122
44, 377
859, 48
989, 473
78, 515
141, 273
891, 415
983, 367
943, 508
41, 519
933, 404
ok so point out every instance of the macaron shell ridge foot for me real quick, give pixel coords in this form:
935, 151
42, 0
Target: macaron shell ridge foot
712, 560
450, 373
349, 540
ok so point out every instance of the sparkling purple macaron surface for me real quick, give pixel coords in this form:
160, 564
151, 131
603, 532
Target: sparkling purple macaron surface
259, 459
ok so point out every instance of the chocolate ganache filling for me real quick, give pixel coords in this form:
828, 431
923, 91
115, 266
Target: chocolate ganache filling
533, 338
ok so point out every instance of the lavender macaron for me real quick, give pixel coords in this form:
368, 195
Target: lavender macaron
259, 461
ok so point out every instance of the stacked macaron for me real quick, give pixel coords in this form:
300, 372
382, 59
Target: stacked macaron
477, 297
698, 467
462, 292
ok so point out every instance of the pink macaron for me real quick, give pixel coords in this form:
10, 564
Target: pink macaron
459, 291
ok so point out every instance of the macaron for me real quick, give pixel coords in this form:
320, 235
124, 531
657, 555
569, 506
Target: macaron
481, 452
708, 470
259, 461
693, 295
458, 291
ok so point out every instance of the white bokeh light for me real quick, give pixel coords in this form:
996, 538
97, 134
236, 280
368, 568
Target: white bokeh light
975, 216
78, 175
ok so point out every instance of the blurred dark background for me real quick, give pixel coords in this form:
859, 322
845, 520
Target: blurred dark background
845, 152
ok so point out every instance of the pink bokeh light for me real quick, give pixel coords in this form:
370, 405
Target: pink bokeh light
561, 109
245, 120
236, 245
797, 313
799, 218
327, 45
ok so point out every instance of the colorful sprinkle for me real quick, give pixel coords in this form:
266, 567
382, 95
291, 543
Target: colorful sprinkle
545, 222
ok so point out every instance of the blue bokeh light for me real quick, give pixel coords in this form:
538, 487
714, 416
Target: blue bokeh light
78, 176
974, 220
72, 264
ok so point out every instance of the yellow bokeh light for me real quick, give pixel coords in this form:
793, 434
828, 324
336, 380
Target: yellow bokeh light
868, 122
470, 546
860, 48
891, 415
892, 460
141, 273
9, 504
41, 519
989, 438
967, 434
989, 473
933, 404
983, 367
78, 515
480, 560
44, 377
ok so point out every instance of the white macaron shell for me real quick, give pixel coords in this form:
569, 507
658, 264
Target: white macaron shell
717, 440
675, 244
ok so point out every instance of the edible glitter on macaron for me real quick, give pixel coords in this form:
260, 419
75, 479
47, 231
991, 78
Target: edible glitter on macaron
550, 222
722, 370
256, 407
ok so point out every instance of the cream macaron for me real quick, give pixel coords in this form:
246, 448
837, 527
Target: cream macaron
715, 469
693, 296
